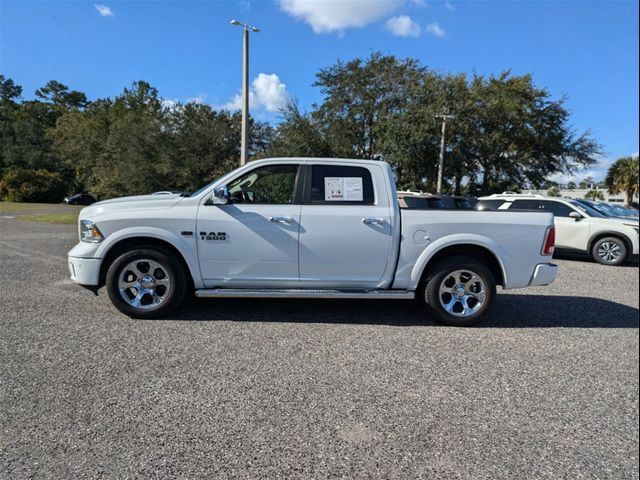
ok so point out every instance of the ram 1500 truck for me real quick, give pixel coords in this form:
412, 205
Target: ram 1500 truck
306, 227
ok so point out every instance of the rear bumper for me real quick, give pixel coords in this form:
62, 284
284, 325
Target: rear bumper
544, 274
85, 271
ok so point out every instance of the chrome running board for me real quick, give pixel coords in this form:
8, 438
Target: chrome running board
303, 293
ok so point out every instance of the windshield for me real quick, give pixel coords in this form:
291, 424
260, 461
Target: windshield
587, 209
600, 207
623, 212
208, 185
607, 209
203, 188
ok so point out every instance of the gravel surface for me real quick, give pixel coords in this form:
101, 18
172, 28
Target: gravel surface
546, 387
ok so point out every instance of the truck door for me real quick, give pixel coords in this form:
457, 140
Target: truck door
254, 238
570, 232
345, 227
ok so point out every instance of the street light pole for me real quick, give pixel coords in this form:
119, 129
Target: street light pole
244, 139
445, 118
244, 147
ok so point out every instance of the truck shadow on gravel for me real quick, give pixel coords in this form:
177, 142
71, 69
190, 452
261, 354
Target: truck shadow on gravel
509, 311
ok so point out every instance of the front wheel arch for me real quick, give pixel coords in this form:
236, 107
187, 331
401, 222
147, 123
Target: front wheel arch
610, 239
620, 236
130, 243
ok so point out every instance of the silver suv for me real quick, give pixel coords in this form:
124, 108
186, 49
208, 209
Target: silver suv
609, 241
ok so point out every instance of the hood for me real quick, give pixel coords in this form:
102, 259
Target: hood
615, 221
137, 202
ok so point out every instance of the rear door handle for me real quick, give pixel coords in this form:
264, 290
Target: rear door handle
373, 221
286, 220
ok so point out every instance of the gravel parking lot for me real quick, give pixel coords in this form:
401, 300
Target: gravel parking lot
546, 387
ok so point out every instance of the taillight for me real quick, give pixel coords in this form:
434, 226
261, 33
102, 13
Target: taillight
549, 241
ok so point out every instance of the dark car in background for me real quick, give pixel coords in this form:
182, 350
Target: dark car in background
428, 201
80, 199
609, 210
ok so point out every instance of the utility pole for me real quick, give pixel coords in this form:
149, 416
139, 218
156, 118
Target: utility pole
445, 118
244, 142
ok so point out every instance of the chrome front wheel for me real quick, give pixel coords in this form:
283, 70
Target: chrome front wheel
147, 282
144, 284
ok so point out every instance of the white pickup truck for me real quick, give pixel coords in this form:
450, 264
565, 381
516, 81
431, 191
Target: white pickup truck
307, 227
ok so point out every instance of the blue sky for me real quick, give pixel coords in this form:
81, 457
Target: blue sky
587, 51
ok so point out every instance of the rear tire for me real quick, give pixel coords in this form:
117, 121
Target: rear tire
458, 291
609, 251
146, 282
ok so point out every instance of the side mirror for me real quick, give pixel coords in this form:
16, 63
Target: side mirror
575, 215
220, 196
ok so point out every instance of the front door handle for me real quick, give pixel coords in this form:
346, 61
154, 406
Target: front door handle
373, 221
286, 220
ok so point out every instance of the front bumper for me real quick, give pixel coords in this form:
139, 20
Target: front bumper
544, 274
85, 271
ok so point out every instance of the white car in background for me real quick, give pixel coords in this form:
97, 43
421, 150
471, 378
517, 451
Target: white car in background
579, 227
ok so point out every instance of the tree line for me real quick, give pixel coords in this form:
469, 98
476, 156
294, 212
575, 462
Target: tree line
507, 134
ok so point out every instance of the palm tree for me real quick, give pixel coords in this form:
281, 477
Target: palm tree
594, 194
623, 176
553, 192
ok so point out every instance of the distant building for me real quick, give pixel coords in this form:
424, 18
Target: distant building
581, 192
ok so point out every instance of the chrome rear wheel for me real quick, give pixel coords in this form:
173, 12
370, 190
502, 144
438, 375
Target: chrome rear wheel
462, 293
458, 290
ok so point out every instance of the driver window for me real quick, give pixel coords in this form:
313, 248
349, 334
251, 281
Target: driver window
273, 184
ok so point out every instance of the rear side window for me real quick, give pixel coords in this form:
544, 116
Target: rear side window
557, 208
340, 185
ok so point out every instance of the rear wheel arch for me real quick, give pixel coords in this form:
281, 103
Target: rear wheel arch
478, 252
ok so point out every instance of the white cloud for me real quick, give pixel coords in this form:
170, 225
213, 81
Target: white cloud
403, 26
327, 16
104, 11
436, 30
270, 91
169, 103
449, 6
597, 174
267, 91
198, 98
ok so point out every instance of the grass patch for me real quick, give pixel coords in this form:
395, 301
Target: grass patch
17, 207
57, 218
21, 208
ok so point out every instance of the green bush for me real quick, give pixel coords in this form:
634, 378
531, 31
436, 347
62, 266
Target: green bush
31, 185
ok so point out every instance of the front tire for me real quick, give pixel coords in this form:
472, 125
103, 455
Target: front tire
458, 291
146, 282
609, 251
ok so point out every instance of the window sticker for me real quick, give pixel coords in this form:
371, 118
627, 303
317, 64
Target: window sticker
343, 189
